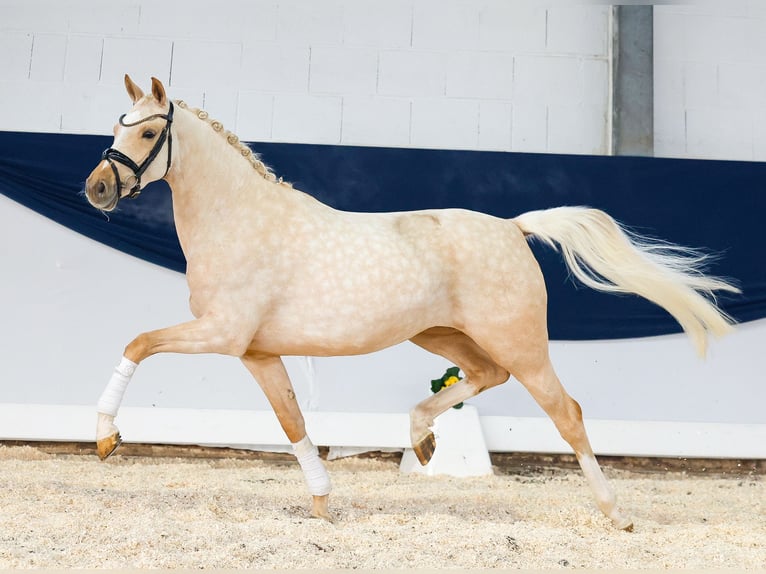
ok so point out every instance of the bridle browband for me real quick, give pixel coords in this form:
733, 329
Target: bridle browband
112, 155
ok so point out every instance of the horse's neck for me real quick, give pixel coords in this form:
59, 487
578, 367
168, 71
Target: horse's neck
218, 197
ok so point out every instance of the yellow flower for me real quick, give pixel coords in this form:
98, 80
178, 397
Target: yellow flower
451, 381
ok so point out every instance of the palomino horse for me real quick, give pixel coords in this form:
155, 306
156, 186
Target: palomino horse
272, 271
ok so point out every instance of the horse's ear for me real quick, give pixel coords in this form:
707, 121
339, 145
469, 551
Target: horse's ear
134, 91
158, 91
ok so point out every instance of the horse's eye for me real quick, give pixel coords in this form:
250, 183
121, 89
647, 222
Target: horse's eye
148, 135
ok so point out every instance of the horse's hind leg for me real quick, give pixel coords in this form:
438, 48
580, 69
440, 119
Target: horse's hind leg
481, 373
543, 384
270, 373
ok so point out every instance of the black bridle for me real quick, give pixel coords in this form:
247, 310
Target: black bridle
112, 155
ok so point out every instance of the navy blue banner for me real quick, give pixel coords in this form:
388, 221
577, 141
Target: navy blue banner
717, 205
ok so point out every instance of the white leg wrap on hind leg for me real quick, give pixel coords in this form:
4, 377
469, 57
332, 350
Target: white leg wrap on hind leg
317, 479
111, 398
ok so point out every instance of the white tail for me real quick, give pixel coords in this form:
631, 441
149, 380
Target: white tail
607, 257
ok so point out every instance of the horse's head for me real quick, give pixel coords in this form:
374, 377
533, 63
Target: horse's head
141, 152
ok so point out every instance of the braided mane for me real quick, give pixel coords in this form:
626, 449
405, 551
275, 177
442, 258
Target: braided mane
234, 141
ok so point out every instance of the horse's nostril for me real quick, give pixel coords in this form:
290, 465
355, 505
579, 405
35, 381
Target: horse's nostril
100, 188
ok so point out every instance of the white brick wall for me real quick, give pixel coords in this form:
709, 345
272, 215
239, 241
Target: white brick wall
460, 74
710, 81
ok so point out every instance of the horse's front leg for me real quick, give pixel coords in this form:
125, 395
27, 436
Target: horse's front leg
204, 335
271, 375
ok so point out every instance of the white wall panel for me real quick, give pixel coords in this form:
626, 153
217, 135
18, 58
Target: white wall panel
48, 58
411, 73
383, 25
209, 64
576, 129
578, 29
446, 25
530, 126
275, 67
495, 125
710, 80
343, 70
481, 75
254, 116
371, 120
34, 107
449, 123
83, 59
90, 109
16, 48
307, 119
232, 20
142, 58
305, 23
514, 27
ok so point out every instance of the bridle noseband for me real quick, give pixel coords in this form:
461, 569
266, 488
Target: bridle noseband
112, 155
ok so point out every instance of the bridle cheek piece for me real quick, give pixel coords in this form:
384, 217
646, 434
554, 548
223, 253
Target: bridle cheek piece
112, 155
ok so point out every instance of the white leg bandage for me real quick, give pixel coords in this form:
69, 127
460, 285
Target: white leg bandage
317, 479
111, 398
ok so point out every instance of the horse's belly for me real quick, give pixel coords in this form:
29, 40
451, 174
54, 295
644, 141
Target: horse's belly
340, 329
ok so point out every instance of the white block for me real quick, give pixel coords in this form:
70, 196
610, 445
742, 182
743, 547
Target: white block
26, 15
495, 121
577, 129
379, 24
595, 82
272, 67
460, 447
141, 58
669, 130
48, 57
30, 106
206, 64
103, 18
547, 79
92, 109
668, 83
700, 84
445, 24
759, 135
578, 29
529, 131
308, 23
444, 123
411, 73
83, 58
667, 34
742, 85
480, 75
221, 103
226, 21
306, 119
515, 27
376, 121
716, 133
345, 71
194, 97
254, 116
16, 48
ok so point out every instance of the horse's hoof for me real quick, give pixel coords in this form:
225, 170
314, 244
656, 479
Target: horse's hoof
319, 509
425, 447
107, 445
623, 524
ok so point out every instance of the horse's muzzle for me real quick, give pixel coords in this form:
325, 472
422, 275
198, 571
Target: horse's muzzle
101, 190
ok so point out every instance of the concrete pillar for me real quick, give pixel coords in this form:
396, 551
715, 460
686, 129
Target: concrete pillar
632, 80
